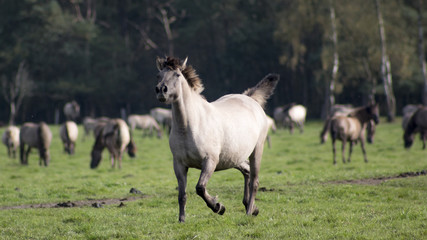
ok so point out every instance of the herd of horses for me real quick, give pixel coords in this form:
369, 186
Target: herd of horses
211, 136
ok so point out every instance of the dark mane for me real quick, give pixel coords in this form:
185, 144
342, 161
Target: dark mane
188, 72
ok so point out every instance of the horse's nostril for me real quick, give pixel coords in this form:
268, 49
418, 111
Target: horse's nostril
165, 89
157, 90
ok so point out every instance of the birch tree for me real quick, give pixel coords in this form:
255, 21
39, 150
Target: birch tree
16, 89
385, 68
329, 96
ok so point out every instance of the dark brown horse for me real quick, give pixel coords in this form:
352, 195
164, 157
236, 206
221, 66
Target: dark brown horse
417, 123
352, 128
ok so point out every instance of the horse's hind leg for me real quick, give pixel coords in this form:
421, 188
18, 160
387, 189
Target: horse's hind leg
208, 167
22, 153
344, 142
351, 143
245, 170
334, 151
181, 176
362, 144
26, 155
255, 163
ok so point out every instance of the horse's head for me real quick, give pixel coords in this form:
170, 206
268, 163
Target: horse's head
169, 77
408, 138
373, 112
131, 148
96, 158
173, 72
370, 131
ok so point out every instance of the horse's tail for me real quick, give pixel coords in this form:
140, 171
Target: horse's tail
264, 89
325, 130
44, 142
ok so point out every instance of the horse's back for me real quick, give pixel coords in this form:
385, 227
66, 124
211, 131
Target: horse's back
345, 127
11, 135
421, 118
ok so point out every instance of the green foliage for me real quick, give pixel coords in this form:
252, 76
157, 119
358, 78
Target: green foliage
304, 195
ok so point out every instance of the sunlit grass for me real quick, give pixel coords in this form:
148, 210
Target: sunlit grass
300, 201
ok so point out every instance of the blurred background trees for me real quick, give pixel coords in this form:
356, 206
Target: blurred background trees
102, 53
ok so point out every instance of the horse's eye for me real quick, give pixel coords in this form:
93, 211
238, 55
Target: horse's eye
176, 74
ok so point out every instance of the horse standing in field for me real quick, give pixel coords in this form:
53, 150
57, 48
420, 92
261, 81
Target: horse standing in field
10, 139
163, 116
417, 123
72, 110
115, 136
351, 128
38, 136
345, 110
289, 115
89, 124
145, 122
213, 136
69, 133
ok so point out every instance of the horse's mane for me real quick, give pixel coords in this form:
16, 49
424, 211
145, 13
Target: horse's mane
188, 71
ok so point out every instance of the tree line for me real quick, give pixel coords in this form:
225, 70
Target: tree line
102, 53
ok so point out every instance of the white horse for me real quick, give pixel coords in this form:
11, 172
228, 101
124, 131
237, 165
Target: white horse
71, 110
69, 134
213, 136
272, 127
10, 139
145, 122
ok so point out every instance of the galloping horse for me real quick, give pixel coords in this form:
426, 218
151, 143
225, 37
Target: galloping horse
213, 136
352, 129
38, 136
10, 139
145, 122
69, 133
417, 123
113, 134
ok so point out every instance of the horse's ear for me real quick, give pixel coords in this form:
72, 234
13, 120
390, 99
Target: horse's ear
184, 64
159, 63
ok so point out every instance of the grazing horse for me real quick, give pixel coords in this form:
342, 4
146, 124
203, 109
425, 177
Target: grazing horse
352, 128
69, 133
417, 123
163, 116
115, 136
72, 110
10, 139
38, 136
213, 136
289, 115
145, 122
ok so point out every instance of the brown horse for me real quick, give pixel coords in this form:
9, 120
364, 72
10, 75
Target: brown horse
115, 136
352, 128
417, 123
38, 136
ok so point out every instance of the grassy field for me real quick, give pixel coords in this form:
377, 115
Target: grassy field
304, 196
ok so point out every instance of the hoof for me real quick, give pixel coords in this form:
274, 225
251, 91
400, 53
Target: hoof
255, 212
219, 208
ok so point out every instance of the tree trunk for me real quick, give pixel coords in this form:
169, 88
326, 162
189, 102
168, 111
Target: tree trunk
12, 113
421, 54
329, 95
385, 68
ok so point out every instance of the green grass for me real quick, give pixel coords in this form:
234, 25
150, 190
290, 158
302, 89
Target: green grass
303, 202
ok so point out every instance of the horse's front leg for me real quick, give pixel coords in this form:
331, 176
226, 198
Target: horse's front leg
208, 167
26, 155
334, 151
181, 176
362, 144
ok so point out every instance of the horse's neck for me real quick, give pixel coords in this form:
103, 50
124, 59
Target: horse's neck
362, 117
187, 109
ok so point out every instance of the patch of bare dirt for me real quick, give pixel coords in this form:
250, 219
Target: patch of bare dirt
379, 180
96, 203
